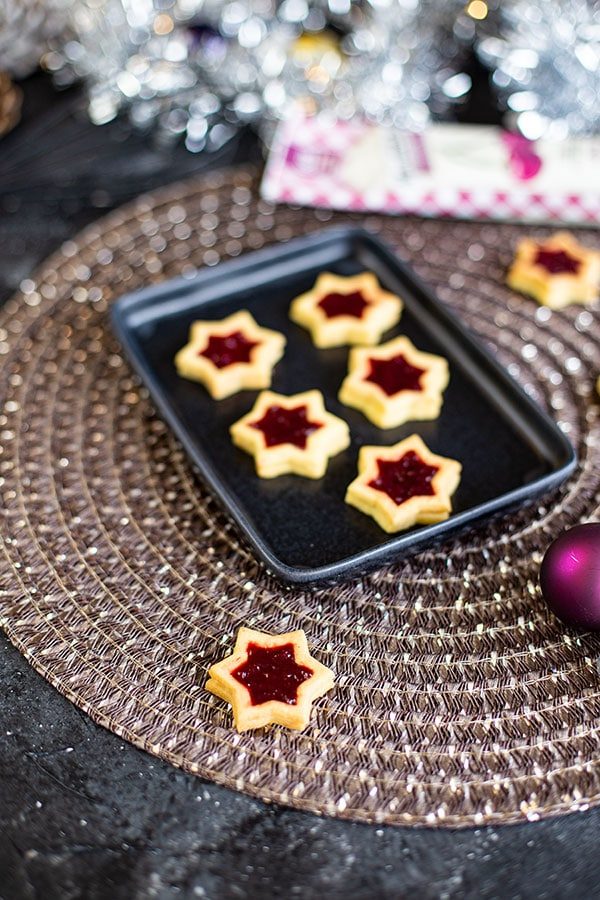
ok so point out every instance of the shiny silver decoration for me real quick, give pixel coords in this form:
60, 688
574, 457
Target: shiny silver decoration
26, 27
138, 55
390, 60
545, 57
200, 68
415, 71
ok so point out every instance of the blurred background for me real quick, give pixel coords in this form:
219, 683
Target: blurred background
102, 99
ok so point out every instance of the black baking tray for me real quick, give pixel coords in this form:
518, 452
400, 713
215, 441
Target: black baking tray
302, 529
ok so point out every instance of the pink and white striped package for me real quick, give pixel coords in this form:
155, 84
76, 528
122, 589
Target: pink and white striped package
459, 171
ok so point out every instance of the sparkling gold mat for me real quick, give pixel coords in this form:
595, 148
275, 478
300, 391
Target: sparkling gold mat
459, 699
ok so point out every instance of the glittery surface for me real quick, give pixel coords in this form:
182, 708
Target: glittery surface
459, 698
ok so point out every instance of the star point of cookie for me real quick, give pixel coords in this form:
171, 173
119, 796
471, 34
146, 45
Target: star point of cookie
270, 679
342, 310
556, 272
290, 434
404, 485
395, 383
230, 355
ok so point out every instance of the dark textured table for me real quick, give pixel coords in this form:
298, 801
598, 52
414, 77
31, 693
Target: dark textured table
83, 815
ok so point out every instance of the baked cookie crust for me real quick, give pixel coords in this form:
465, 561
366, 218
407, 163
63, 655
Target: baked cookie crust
277, 670
556, 272
341, 310
404, 485
395, 383
290, 434
230, 355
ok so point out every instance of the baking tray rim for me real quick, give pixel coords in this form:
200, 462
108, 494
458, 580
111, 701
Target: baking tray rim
126, 305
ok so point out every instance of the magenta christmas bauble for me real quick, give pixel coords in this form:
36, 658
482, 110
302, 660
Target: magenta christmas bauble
570, 576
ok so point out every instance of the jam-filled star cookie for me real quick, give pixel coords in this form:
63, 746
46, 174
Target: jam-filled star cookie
290, 434
394, 383
230, 355
346, 310
404, 485
555, 272
270, 679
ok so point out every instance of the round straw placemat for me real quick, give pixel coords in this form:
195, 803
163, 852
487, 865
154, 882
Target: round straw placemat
459, 698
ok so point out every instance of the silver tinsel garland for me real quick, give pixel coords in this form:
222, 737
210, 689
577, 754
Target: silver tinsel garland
190, 65
545, 57
199, 68
388, 60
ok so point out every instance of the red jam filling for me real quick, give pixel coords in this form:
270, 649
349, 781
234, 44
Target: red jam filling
271, 673
286, 426
557, 262
226, 349
353, 304
395, 375
404, 478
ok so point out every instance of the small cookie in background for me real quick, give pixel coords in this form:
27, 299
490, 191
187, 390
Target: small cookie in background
556, 272
341, 310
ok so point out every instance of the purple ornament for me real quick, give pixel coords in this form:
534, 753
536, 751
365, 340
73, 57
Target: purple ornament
570, 576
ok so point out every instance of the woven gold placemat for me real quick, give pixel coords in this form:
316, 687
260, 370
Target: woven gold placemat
459, 699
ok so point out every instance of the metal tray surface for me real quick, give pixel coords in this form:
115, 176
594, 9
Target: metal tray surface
303, 530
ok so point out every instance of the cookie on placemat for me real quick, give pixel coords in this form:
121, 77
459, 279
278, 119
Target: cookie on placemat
404, 485
290, 434
269, 679
555, 272
346, 310
230, 355
395, 383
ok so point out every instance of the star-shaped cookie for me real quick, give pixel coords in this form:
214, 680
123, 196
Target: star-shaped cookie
394, 383
342, 310
556, 272
292, 434
230, 355
269, 679
404, 485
